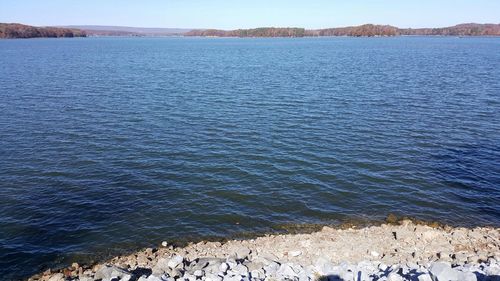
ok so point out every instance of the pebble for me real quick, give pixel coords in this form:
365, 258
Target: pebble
374, 254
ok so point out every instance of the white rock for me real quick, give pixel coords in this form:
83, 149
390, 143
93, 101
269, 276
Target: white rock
493, 269
295, 253
424, 277
441, 271
189, 277
175, 261
374, 253
323, 266
347, 275
287, 270
269, 257
175, 273
212, 277
382, 267
271, 268
231, 262
109, 272
155, 278
258, 273
394, 268
242, 253
240, 269
164, 243
394, 277
224, 267
366, 266
57, 277
199, 273
364, 275
467, 276
160, 267
233, 278
303, 275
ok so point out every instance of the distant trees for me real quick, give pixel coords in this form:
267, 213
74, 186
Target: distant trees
15, 30
256, 32
357, 31
467, 29
362, 30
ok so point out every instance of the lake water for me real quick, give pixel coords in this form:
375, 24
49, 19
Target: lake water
110, 144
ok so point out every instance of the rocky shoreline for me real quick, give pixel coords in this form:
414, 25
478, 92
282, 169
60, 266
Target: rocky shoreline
402, 251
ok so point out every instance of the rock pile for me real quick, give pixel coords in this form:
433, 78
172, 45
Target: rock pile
244, 269
387, 252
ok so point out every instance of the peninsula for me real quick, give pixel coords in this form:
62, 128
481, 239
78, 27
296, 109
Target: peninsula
16, 30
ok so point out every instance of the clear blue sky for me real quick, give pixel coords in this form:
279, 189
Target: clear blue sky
230, 14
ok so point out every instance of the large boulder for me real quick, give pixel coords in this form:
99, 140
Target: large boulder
176, 262
108, 272
211, 265
424, 277
57, 277
242, 253
271, 269
442, 271
324, 266
240, 269
288, 271
161, 267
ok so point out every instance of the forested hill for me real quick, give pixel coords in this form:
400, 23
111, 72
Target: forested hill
15, 30
470, 29
467, 29
256, 32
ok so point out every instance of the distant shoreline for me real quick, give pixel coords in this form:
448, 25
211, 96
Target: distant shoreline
15, 31
227, 37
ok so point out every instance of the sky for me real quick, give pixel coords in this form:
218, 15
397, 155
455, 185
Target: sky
232, 14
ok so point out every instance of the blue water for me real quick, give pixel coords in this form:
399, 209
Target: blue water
110, 144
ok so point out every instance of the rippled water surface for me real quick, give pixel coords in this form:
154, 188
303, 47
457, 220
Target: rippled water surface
109, 144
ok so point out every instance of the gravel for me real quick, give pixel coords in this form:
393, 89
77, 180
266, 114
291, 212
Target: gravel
407, 251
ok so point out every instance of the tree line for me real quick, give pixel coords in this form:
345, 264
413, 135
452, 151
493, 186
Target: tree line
15, 30
366, 30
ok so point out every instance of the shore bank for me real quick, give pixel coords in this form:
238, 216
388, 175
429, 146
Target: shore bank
402, 251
